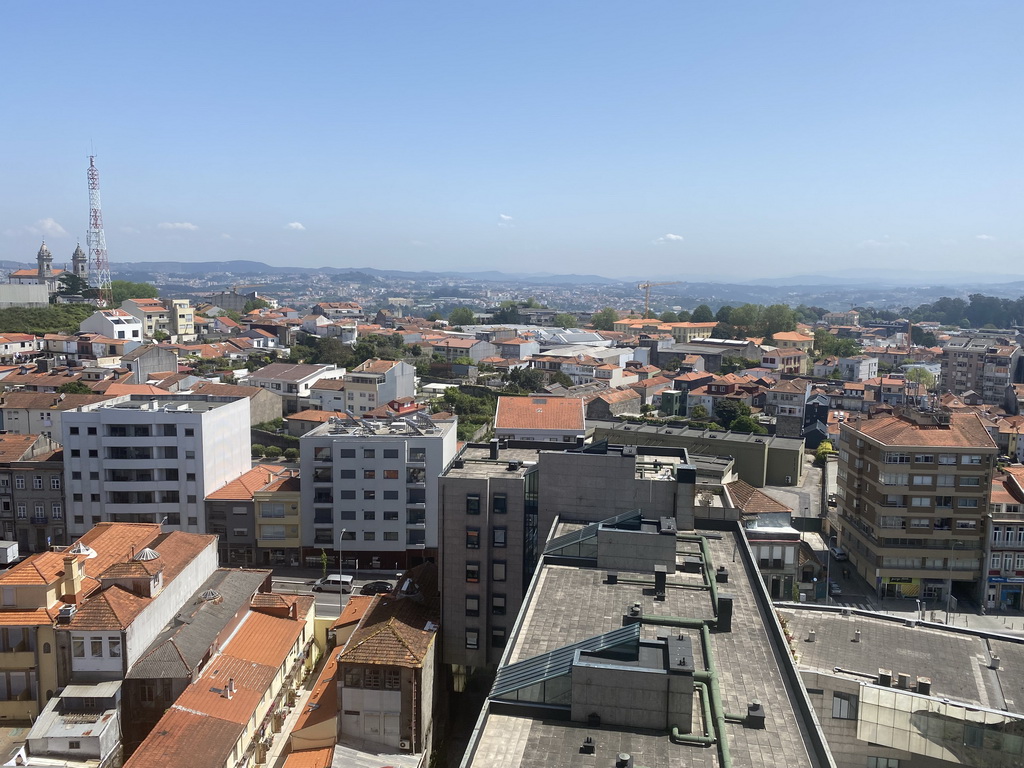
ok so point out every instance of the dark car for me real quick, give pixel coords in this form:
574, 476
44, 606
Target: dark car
376, 588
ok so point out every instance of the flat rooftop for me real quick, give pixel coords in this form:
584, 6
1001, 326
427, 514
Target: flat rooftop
413, 426
569, 604
477, 462
616, 427
171, 403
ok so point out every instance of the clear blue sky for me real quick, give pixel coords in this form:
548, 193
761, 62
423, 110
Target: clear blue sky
621, 138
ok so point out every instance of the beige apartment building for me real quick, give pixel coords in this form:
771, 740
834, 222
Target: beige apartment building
913, 500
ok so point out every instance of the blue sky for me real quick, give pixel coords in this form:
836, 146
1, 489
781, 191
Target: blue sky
738, 139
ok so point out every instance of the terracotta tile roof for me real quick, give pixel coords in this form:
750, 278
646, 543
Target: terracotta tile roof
752, 501
243, 487
172, 742
322, 704
453, 343
375, 365
333, 385
792, 336
266, 638
561, 413
251, 682
14, 447
354, 611
116, 542
112, 609
25, 618
618, 395
116, 388
318, 417
322, 757
49, 401
43, 568
965, 430
34, 272
226, 390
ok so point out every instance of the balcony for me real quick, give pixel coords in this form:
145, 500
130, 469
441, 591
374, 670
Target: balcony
39, 520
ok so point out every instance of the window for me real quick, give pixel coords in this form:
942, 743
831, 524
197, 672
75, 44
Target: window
498, 536
239, 531
947, 458
892, 478
369, 474
472, 573
346, 453
74, 430
369, 535
56, 511
844, 706
920, 522
75, 453
883, 762
996, 561
970, 481
498, 605
418, 455
19, 482
190, 431
55, 483
390, 453
897, 458
37, 482
390, 495
74, 744
369, 495
472, 605
91, 430
472, 538
967, 503
923, 480
190, 454
114, 647
346, 474
472, 639
499, 504
369, 514
343, 494
924, 458
968, 458
944, 502
95, 646
498, 570
472, 503
189, 476
966, 525
390, 474
390, 535
498, 637
348, 535
22, 511
369, 453
392, 679
94, 475
78, 647
391, 515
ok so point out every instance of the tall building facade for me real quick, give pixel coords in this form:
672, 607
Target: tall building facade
369, 491
984, 365
150, 459
913, 499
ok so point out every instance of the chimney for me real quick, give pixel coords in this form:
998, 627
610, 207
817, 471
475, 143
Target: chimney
71, 583
494, 448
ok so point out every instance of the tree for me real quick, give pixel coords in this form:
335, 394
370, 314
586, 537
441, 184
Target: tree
273, 452
698, 412
827, 344
125, 289
524, 379
703, 314
921, 376
72, 285
561, 378
727, 411
668, 317
724, 314
291, 454
460, 316
433, 317
824, 449
565, 320
257, 450
159, 336
604, 320
74, 388
254, 304
777, 318
747, 424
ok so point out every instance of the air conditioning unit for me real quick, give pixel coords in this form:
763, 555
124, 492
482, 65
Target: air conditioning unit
404, 744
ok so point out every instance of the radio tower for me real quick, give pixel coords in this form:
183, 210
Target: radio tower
99, 273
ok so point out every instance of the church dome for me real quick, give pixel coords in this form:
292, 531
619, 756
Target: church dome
44, 251
79, 253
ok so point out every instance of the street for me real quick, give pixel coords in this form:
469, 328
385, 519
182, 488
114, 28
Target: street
328, 604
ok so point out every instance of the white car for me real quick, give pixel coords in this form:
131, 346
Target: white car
334, 582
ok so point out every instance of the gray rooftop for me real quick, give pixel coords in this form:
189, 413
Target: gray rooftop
570, 604
478, 463
184, 642
616, 427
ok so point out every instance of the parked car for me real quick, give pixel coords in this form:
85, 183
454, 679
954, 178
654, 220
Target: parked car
334, 582
834, 590
376, 588
838, 553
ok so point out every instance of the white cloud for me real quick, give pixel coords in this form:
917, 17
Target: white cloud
129, 230
294, 225
984, 237
178, 225
504, 220
50, 228
669, 238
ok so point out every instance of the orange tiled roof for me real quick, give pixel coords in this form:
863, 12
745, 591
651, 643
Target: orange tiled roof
321, 757
267, 638
752, 501
965, 430
565, 413
243, 487
25, 618
354, 611
113, 609
14, 447
173, 742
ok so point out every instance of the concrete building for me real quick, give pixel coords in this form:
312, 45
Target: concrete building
982, 364
328, 395
638, 663
786, 401
80, 727
114, 324
912, 499
1004, 551
264, 405
151, 458
147, 360
32, 503
182, 319
39, 413
293, 382
375, 382
370, 488
544, 419
498, 505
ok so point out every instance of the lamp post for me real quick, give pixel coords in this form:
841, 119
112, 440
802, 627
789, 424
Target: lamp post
828, 569
949, 589
341, 562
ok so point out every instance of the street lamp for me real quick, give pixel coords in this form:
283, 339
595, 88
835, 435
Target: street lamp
949, 588
828, 569
341, 562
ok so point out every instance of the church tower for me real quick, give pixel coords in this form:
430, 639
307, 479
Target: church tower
80, 264
45, 261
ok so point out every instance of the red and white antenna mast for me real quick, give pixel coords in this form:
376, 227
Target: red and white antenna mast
99, 272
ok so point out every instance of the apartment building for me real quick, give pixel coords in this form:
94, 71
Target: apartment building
1005, 542
370, 488
912, 499
988, 366
375, 382
293, 382
256, 517
32, 492
152, 458
114, 324
498, 505
39, 413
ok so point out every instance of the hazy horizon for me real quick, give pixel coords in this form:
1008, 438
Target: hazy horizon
739, 140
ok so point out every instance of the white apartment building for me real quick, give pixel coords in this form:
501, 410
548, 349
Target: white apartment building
372, 488
114, 324
147, 459
375, 382
293, 381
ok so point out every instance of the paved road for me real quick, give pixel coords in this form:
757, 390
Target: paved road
327, 603
803, 499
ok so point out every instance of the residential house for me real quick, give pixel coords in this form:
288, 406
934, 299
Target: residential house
147, 360
328, 395
293, 381
375, 382
114, 324
18, 347
452, 348
39, 413
786, 401
986, 365
32, 492
613, 403
547, 419
264, 404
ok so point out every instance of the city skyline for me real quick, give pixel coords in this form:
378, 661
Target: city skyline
573, 139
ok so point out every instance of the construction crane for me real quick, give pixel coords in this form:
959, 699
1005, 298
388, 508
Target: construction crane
646, 288
96, 240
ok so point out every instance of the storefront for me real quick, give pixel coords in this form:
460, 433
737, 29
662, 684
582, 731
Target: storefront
1004, 593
